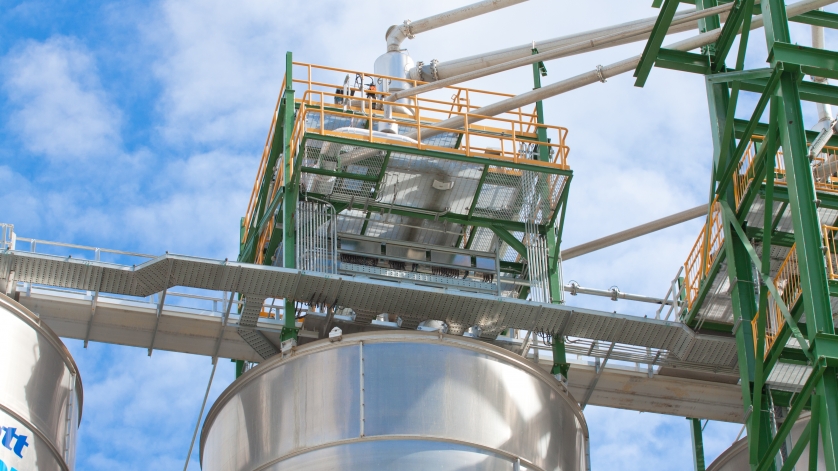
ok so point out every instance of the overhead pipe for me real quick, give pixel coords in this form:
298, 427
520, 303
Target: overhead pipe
600, 74
632, 31
634, 232
610, 37
396, 34
615, 294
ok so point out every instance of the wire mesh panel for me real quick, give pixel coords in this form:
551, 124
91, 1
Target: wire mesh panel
537, 265
519, 195
316, 236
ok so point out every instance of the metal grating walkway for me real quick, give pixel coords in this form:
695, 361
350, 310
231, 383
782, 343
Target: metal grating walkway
411, 302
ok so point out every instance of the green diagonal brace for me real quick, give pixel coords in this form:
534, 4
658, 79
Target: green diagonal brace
794, 412
767, 280
748, 132
730, 30
653, 45
510, 240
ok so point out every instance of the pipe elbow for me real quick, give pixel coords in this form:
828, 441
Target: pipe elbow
396, 35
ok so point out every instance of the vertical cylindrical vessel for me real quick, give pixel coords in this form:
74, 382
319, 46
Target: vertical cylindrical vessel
735, 458
395, 400
40, 394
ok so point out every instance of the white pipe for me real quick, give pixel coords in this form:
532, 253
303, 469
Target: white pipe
607, 40
824, 110
602, 73
629, 32
614, 293
634, 232
396, 34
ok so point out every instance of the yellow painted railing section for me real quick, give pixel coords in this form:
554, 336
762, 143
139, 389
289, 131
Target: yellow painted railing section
324, 91
707, 247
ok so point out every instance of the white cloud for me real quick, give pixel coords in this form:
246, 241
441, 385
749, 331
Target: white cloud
638, 154
59, 108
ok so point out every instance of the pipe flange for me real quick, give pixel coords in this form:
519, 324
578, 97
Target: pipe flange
407, 29
419, 66
434, 71
599, 74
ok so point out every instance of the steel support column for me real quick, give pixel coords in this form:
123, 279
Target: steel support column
807, 227
289, 202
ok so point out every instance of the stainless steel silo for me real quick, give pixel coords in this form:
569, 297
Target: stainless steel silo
735, 458
40, 394
395, 400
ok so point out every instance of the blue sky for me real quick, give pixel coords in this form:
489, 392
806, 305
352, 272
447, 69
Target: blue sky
139, 125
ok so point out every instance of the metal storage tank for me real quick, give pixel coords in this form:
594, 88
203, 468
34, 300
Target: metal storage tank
735, 458
395, 400
40, 397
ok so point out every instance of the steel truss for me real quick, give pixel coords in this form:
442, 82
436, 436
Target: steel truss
762, 176
505, 204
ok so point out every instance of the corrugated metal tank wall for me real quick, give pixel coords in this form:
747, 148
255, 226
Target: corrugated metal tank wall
395, 400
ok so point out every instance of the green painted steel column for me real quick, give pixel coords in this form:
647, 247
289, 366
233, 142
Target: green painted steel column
807, 227
698, 444
292, 191
553, 242
560, 364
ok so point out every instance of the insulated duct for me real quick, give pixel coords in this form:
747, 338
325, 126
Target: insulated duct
601, 73
396, 34
632, 31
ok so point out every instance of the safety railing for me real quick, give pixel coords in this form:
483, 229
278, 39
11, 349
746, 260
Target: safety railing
830, 234
704, 252
824, 170
7, 236
787, 283
322, 91
502, 141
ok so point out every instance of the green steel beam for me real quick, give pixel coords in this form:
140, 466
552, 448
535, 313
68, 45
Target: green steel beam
696, 434
289, 206
473, 205
762, 128
740, 11
826, 200
450, 217
818, 18
560, 364
813, 61
807, 230
332, 173
683, 61
766, 280
507, 237
767, 460
741, 76
522, 164
748, 132
783, 239
809, 91
814, 18
653, 45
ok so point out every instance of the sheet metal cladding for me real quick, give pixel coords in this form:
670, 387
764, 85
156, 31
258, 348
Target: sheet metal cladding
40, 394
395, 400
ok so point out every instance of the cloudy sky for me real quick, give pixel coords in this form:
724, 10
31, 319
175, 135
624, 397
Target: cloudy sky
139, 126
